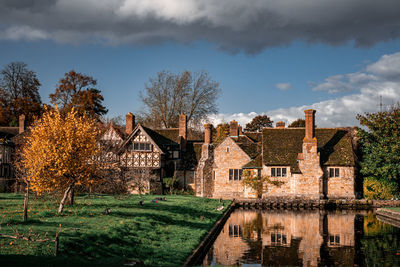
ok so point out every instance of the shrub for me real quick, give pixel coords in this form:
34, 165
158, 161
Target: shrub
379, 189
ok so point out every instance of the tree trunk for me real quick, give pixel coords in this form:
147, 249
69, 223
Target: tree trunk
62, 203
26, 201
71, 196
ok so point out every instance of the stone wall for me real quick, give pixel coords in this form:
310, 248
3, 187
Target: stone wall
203, 175
285, 189
308, 184
342, 186
228, 155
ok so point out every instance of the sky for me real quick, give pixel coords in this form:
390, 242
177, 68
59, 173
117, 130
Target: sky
269, 57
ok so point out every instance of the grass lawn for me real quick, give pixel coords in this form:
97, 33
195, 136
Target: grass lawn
162, 233
397, 209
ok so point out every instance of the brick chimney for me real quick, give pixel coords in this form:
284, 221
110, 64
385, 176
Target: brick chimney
280, 124
207, 133
310, 125
21, 123
183, 130
240, 130
130, 123
233, 129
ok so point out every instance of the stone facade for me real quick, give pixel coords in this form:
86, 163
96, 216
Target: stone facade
228, 156
303, 155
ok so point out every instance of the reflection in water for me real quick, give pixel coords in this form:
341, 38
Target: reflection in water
307, 238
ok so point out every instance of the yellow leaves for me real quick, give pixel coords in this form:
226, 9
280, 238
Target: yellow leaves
58, 150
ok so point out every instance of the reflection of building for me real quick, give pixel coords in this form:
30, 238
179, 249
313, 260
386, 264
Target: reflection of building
285, 238
305, 162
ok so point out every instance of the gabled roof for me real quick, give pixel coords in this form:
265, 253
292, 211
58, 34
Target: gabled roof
146, 131
282, 146
251, 148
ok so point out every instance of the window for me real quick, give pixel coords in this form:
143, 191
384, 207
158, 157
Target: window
278, 172
142, 146
334, 172
214, 175
227, 149
278, 238
235, 230
235, 174
334, 240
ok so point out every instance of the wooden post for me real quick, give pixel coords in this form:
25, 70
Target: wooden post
56, 241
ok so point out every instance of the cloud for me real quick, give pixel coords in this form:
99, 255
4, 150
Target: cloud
232, 25
283, 86
368, 86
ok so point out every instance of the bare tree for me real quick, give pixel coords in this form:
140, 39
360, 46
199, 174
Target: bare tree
139, 179
19, 93
168, 95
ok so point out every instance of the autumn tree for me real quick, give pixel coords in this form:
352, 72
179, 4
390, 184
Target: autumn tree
298, 123
78, 91
379, 141
19, 94
258, 123
168, 95
59, 152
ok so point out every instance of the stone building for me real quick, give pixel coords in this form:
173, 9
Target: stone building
305, 162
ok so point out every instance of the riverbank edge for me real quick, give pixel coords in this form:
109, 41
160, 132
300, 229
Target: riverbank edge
325, 204
389, 216
198, 254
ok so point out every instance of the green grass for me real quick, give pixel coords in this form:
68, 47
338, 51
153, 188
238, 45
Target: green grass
397, 209
162, 233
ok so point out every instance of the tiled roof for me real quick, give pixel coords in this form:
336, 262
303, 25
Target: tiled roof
254, 164
247, 145
8, 132
281, 147
255, 136
171, 134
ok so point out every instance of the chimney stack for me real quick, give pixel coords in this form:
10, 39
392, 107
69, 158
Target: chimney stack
183, 130
21, 123
280, 124
130, 123
233, 129
207, 133
310, 125
240, 130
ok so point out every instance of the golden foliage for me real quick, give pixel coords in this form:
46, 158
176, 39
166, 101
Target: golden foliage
59, 150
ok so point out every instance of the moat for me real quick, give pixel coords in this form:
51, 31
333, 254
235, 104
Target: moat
305, 238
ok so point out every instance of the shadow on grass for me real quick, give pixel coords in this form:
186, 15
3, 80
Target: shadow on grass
49, 261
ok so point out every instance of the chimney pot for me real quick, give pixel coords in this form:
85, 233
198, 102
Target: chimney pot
21, 123
234, 128
130, 123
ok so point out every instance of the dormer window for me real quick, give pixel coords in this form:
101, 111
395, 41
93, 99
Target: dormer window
141, 146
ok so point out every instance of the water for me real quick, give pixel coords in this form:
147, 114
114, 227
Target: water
305, 238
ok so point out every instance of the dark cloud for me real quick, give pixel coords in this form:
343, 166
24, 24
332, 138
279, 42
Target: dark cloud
233, 25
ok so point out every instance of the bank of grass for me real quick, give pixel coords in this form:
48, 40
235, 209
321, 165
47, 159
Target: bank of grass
157, 234
396, 209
